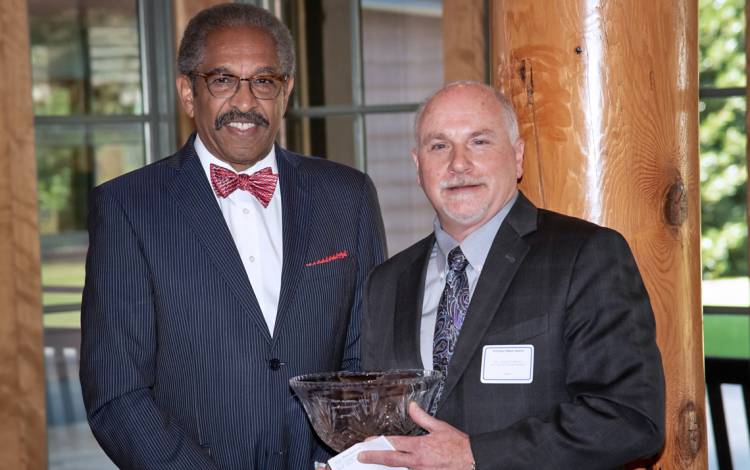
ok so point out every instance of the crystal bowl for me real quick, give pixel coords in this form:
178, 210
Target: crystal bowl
346, 407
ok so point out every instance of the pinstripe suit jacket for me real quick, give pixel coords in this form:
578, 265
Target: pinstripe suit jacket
178, 368
572, 290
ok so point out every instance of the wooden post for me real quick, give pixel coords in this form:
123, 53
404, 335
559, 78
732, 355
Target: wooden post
22, 417
464, 42
607, 97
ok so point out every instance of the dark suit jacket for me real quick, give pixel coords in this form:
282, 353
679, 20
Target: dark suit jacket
571, 289
178, 368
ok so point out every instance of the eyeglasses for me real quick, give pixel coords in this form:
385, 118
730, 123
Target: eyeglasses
225, 85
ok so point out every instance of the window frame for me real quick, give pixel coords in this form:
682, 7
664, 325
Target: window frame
159, 116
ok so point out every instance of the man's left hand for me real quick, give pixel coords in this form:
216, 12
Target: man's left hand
444, 447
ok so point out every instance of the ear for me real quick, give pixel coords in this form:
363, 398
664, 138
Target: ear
415, 159
185, 93
518, 148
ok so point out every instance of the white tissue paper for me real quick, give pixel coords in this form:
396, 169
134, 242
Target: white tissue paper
347, 460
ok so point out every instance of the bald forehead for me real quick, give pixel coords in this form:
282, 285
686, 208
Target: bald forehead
476, 94
458, 99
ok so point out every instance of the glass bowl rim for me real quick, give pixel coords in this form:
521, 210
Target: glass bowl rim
302, 380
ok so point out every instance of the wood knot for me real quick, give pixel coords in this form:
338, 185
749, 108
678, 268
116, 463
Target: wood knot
689, 432
579, 50
675, 204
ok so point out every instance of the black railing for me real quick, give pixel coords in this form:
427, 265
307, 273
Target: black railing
724, 370
718, 310
721, 370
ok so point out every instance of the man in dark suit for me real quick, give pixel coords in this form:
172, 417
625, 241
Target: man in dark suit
216, 274
540, 321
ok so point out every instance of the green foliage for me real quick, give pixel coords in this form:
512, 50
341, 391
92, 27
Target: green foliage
723, 139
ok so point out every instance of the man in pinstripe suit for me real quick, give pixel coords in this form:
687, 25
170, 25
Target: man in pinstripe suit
216, 274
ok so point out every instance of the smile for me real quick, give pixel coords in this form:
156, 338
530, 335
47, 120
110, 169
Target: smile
243, 126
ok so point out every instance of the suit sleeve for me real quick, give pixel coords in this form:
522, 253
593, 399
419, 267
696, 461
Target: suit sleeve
613, 373
371, 251
118, 348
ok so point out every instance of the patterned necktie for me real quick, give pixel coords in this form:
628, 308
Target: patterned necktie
260, 184
450, 312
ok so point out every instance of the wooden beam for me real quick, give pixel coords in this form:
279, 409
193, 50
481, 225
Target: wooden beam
609, 115
22, 414
464, 48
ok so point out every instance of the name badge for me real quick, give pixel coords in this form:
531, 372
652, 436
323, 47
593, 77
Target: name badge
508, 364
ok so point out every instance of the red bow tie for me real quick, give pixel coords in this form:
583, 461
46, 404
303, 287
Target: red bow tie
260, 184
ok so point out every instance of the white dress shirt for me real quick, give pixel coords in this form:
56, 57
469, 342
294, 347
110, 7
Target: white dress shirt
256, 232
475, 248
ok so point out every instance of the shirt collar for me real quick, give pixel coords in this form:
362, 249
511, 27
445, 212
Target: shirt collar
476, 246
207, 158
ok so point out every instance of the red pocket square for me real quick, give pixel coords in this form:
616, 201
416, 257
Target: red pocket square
328, 259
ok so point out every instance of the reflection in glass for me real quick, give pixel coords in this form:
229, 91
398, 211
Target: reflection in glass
86, 62
403, 50
85, 57
71, 160
407, 214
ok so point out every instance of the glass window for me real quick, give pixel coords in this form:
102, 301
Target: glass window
722, 43
407, 215
363, 69
724, 249
402, 44
723, 161
723, 192
723, 177
330, 137
85, 57
97, 116
323, 31
72, 159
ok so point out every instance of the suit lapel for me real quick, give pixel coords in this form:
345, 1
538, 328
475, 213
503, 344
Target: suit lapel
195, 199
295, 215
408, 311
505, 256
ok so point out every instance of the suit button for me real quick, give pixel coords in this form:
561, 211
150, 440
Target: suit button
275, 364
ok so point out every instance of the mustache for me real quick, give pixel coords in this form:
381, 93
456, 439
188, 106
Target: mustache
253, 117
460, 181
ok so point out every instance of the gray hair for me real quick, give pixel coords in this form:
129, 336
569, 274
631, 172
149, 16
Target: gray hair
511, 121
227, 15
